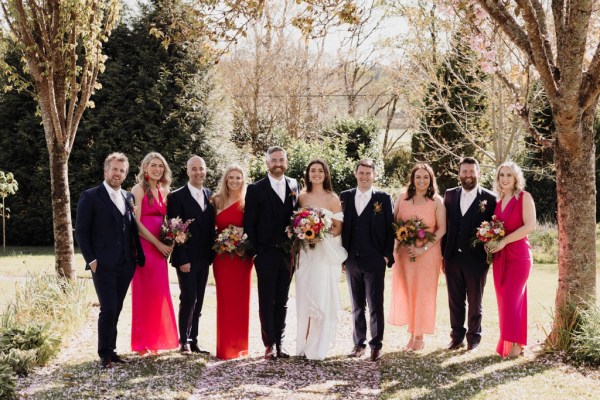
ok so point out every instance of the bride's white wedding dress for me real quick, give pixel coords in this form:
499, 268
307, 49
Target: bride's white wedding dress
317, 294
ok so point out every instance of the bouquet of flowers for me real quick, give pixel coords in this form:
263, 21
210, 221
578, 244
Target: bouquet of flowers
174, 231
232, 240
412, 232
489, 233
308, 225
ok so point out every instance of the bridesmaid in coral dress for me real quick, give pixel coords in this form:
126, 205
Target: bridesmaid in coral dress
512, 258
232, 273
414, 283
153, 325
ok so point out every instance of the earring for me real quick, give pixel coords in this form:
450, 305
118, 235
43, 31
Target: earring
146, 177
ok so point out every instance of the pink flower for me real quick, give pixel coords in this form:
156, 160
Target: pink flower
421, 233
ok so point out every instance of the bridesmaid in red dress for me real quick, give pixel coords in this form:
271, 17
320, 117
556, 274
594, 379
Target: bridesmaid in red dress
232, 273
153, 325
512, 258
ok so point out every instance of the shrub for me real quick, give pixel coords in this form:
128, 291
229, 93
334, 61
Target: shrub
544, 244
21, 361
7, 382
585, 342
32, 337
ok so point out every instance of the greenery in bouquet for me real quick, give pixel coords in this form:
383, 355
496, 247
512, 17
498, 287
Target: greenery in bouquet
232, 240
412, 232
175, 231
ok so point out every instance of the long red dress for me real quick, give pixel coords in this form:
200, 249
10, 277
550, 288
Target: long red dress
512, 265
153, 325
233, 281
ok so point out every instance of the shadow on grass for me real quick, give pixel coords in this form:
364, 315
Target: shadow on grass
296, 377
166, 376
450, 375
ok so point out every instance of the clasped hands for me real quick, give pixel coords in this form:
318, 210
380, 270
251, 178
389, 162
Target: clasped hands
494, 247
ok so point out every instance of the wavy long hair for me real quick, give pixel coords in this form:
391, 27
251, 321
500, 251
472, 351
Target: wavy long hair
221, 197
432, 190
165, 180
517, 173
327, 185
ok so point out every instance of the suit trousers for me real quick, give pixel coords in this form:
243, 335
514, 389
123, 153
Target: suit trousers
465, 279
366, 286
192, 285
111, 283
274, 278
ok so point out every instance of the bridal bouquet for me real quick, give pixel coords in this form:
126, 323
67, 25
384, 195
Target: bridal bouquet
174, 231
489, 233
412, 232
232, 240
308, 225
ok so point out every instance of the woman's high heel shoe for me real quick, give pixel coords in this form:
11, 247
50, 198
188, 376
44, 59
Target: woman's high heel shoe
418, 344
515, 351
409, 345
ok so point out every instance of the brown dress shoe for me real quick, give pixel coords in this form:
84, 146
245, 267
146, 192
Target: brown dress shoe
375, 354
357, 352
270, 353
455, 345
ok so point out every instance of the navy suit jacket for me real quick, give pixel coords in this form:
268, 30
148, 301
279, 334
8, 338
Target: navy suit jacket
198, 247
99, 229
382, 230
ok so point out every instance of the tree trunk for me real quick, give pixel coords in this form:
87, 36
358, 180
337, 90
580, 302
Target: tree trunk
61, 212
576, 195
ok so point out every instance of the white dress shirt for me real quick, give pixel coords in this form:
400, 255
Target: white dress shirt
467, 198
362, 199
278, 186
116, 197
198, 195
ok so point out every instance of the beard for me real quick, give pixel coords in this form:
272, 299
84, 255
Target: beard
468, 183
277, 171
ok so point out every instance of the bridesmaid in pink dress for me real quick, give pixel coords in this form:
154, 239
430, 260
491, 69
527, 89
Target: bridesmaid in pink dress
232, 273
153, 325
512, 258
414, 283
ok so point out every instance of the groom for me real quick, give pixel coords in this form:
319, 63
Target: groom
108, 237
270, 203
193, 258
368, 237
465, 266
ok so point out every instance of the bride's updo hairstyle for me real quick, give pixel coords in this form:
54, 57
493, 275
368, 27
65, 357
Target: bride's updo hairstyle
327, 185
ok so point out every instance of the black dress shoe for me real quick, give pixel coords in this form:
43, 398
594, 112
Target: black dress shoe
105, 363
117, 359
472, 347
455, 345
195, 349
375, 354
357, 352
281, 353
270, 353
185, 349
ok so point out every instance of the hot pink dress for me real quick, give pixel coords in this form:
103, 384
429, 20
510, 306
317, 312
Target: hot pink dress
511, 271
153, 325
414, 283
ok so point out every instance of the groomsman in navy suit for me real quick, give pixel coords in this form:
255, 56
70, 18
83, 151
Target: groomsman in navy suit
193, 258
465, 265
108, 237
270, 203
368, 237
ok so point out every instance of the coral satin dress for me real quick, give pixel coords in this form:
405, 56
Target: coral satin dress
153, 325
233, 280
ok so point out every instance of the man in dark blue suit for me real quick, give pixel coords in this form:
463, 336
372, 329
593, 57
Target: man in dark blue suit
465, 265
270, 203
108, 237
368, 237
193, 258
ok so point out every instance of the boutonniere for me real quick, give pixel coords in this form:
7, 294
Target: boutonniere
132, 207
377, 207
293, 194
482, 206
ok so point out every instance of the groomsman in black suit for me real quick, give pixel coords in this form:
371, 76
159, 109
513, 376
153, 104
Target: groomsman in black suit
193, 258
466, 268
368, 236
108, 237
270, 203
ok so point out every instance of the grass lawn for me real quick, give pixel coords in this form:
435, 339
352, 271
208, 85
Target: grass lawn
432, 373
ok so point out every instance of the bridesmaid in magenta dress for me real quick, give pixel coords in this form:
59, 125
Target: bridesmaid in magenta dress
232, 273
512, 258
153, 325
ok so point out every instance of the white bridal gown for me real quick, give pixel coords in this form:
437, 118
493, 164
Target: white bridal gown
317, 294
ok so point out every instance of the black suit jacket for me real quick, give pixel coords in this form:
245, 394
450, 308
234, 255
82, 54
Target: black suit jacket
99, 229
481, 210
382, 230
264, 222
198, 247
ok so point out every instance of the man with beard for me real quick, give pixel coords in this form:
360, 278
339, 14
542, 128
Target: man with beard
466, 267
270, 203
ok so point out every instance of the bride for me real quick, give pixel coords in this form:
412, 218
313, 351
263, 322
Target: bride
319, 269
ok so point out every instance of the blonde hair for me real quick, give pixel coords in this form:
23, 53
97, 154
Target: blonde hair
165, 180
116, 156
517, 173
221, 197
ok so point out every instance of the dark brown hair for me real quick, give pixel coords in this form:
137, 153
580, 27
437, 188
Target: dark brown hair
432, 190
327, 185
